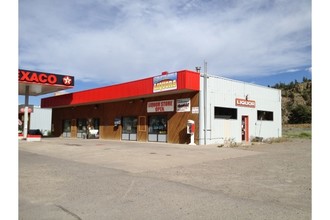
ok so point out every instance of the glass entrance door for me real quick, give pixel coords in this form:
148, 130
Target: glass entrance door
66, 128
245, 128
81, 128
157, 128
129, 128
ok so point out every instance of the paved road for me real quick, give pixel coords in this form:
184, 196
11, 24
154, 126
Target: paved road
100, 179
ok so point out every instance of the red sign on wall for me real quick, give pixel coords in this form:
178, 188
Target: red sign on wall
44, 78
245, 103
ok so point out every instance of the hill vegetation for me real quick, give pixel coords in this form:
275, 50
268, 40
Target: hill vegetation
296, 101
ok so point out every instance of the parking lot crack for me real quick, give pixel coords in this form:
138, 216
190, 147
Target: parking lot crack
129, 189
69, 212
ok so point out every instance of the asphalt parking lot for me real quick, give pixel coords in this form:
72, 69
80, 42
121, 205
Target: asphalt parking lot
102, 179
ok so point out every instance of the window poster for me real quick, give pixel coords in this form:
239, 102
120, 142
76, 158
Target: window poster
183, 105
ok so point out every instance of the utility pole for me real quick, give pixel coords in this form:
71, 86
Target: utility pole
205, 100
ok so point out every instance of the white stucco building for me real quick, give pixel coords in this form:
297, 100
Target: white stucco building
237, 111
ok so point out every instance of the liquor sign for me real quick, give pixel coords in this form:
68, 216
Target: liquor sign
165, 82
160, 106
245, 103
44, 78
183, 105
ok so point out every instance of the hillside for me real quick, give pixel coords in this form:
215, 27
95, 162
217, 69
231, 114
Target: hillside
296, 101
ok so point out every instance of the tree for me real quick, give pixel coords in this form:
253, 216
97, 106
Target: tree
300, 114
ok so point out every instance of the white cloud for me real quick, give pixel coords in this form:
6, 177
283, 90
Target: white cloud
292, 70
124, 40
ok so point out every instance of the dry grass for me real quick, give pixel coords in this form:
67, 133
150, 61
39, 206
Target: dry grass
297, 131
289, 131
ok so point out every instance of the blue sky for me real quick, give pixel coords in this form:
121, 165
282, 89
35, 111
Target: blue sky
105, 42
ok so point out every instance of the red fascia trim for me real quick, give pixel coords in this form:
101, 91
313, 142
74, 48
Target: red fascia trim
45, 84
34, 136
187, 80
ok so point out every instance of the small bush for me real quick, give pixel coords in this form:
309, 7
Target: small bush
305, 135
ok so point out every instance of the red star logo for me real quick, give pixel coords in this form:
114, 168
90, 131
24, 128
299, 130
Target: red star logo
67, 80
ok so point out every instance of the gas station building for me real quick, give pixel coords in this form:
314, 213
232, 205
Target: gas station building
185, 107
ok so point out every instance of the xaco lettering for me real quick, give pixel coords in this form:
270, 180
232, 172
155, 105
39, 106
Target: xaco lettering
34, 77
45, 78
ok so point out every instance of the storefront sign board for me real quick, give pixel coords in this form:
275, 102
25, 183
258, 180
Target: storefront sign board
160, 106
29, 76
183, 105
245, 103
165, 82
195, 110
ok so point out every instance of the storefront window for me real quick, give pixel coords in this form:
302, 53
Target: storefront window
157, 124
67, 126
93, 128
81, 125
157, 128
129, 128
81, 128
95, 123
129, 124
265, 115
225, 113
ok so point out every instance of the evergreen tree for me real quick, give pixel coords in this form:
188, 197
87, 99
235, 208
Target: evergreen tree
300, 114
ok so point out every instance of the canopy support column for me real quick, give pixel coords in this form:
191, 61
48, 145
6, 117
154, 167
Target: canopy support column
26, 112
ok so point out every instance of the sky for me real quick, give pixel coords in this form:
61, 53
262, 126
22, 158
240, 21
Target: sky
105, 42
